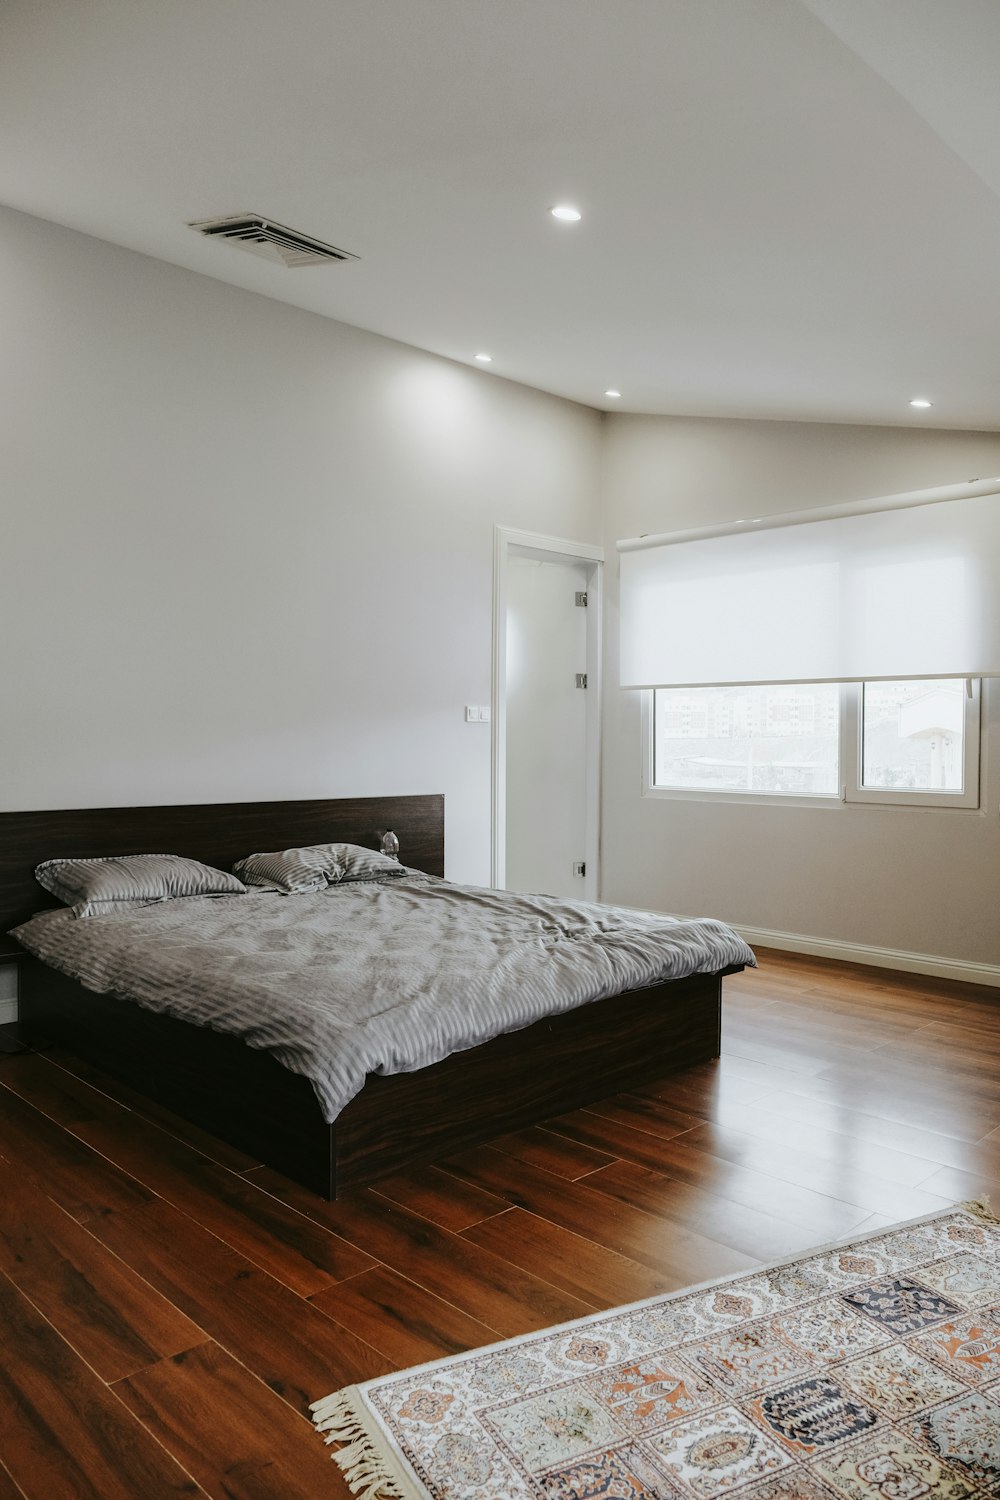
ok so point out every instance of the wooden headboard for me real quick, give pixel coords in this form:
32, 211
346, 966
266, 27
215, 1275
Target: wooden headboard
217, 833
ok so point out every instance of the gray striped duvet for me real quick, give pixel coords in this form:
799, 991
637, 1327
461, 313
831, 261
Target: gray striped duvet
374, 978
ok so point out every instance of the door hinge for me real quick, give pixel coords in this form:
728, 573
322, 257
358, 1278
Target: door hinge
581, 600
580, 867
581, 679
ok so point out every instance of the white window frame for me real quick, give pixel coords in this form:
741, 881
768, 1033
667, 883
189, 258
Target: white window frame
852, 761
850, 753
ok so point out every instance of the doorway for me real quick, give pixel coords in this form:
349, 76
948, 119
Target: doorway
547, 619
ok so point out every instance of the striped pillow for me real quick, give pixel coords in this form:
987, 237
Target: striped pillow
313, 868
93, 886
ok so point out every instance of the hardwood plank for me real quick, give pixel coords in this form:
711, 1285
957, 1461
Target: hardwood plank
766, 1076
774, 1050
680, 1255
655, 1115
971, 1034
701, 1091
401, 1319
946, 1108
872, 1224
879, 1005
110, 1316
79, 1180
56, 1092
208, 1145
62, 1431
904, 1167
587, 1271
283, 1339
931, 1078
934, 1000
944, 1112
115, 1323
434, 1195
8, 1489
867, 977
275, 1237
674, 1159
233, 1434
659, 1116
942, 1060
876, 1194
943, 1071
771, 984
757, 1234
488, 1287
809, 1032
27, 1231
543, 1148
281, 1241
805, 1006
842, 1119
809, 1026
958, 1186
908, 1017
169, 1250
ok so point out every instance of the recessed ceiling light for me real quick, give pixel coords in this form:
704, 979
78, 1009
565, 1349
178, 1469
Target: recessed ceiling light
485, 359
920, 401
614, 395
566, 212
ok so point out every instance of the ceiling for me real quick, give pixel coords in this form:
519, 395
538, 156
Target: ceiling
791, 208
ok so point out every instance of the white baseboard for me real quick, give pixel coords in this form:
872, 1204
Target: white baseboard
880, 958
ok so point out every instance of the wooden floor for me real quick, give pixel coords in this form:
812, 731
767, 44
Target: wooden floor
168, 1308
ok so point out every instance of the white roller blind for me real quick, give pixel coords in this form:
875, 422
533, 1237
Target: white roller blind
904, 592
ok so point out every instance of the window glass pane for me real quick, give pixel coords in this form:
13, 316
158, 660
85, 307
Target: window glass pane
782, 739
912, 735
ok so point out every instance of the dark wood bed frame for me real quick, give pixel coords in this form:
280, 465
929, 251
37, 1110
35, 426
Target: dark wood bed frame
243, 1095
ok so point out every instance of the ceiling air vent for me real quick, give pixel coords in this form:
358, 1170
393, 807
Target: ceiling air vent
275, 242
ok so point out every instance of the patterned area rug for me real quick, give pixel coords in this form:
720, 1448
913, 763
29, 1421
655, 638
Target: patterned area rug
865, 1370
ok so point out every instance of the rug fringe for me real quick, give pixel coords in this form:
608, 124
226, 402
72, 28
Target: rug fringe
980, 1208
365, 1471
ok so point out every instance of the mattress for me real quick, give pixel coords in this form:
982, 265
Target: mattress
374, 977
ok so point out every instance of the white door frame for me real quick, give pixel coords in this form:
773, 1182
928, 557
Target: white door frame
547, 549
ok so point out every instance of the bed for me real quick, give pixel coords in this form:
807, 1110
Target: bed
244, 1095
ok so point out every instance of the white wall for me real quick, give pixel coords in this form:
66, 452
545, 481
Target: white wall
246, 552
924, 881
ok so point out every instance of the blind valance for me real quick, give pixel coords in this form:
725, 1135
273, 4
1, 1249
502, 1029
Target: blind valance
912, 590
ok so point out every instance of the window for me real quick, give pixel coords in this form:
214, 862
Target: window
915, 742
911, 742
769, 740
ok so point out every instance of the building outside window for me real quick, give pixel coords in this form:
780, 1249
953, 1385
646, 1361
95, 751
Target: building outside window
912, 734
